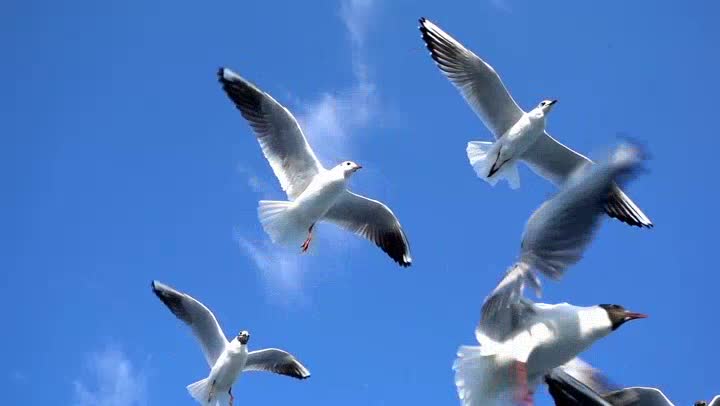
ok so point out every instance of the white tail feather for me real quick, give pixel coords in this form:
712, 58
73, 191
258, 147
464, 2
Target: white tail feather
475, 377
281, 223
482, 156
200, 391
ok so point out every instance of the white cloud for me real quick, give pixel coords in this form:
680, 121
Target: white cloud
330, 120
111, 380
280, 268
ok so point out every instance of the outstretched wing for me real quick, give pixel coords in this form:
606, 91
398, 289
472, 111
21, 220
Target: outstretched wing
555, 162
374, 221
478, 82
277, 361
200, 319
281, 139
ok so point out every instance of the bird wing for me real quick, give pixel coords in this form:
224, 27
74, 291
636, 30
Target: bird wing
502, 323
588, 375
277, 361
557, 163
568, 391
281, 139
374, 221
478, 82
200, 319
639, 396
559, 231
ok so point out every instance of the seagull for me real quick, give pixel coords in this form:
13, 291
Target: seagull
559, 231
522, 343
227, 360
519, 135
314, 193
529, 339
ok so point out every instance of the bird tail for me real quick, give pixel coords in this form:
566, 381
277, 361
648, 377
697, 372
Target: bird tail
474, 377
281, 222
200, 391
482, 156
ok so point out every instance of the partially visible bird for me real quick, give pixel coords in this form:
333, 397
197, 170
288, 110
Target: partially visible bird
521, 344
559, 231
519, 135
227, 360
315, 193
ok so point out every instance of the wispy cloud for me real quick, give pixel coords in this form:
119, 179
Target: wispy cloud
502, 5
111, 380
328, 121
332, 118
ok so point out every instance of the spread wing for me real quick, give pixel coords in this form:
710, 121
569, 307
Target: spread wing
280, 137
554, 161
504, 323
277, 361
200, 319
374, 221
478, 82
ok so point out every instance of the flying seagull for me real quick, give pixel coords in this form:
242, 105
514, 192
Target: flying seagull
519, 135
530, 339
227, 360
559, 231
314, 193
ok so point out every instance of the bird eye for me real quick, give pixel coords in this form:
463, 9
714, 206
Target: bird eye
347, 163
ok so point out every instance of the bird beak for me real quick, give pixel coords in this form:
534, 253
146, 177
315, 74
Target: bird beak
552, 102
632, 316
358, 167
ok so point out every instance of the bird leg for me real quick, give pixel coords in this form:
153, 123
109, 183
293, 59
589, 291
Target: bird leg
523, 396
493, 168
306, 244
232, 398
212, 392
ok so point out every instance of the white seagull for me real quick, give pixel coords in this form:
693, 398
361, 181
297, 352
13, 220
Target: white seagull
519, 135
315, 193
227, 360
529, 338
559, 231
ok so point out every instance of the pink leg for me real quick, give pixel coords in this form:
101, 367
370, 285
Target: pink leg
306, 244
523, 396
232, 398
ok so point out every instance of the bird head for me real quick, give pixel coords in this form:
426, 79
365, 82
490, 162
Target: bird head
618, 315
544, 107
243, 337
348, 168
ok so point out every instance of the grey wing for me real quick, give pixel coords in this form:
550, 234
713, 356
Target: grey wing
568, 391
478, 82
281, 139
503, 323
588, 375
374, 221
554, 161
638, 396
509, 292
715, 401
200, 319
558, 233
277, 361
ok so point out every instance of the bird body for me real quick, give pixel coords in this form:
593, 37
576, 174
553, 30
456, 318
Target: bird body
493, 161
520, 346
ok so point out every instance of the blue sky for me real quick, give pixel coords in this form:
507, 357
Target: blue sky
124, 162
